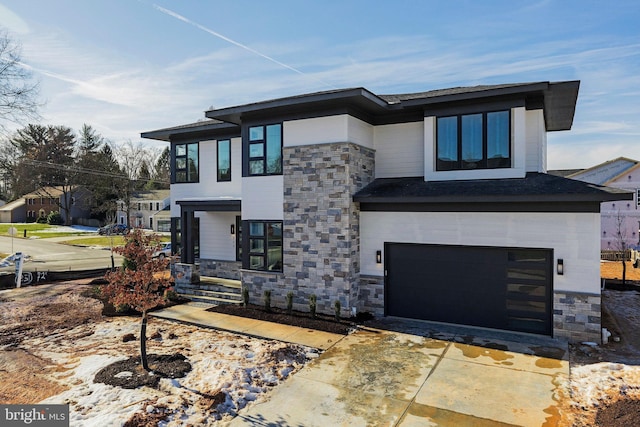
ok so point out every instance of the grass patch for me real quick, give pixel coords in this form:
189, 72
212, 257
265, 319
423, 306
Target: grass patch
4, 228
106, 241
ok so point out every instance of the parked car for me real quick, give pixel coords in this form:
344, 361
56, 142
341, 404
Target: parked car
164, 251
110, 229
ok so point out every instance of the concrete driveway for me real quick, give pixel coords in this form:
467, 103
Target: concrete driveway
381, 377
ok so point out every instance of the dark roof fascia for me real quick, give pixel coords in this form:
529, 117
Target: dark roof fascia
359, 98
194, 131
501, 90
527, 206
210, 205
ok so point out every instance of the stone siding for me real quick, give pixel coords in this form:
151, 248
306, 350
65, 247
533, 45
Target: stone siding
185, 275
321, 232
221, 269
577, 316
372, 295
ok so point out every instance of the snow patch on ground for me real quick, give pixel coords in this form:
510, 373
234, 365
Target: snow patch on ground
228, 373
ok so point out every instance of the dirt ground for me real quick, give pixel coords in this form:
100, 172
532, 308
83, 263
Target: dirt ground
54, 340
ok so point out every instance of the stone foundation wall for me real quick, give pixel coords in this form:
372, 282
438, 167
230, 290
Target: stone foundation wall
185, 275
577, 316
222, 269
371, 295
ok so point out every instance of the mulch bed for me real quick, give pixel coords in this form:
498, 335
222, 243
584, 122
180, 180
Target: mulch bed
321, 322
129, 373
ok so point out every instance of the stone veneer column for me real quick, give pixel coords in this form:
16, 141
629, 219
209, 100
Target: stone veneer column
577, 316
321, 234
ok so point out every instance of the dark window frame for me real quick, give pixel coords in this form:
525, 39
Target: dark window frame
238, 238
219, 176
189, 177
484, 163
265, 244
260, 158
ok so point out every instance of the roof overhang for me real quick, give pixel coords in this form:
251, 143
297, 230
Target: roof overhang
204, 129
534, 193
210, 205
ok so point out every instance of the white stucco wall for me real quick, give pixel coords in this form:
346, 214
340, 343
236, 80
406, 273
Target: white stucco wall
324, 130
399, 150
208, 185
536, 140
263, 197
216, 240
518, 153
572, 236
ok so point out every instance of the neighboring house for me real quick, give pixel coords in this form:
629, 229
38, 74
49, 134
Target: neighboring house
73, 203
144, 206
15, 211
432, 205
617, 216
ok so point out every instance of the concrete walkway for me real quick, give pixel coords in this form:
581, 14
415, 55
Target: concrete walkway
387, 377
196, 314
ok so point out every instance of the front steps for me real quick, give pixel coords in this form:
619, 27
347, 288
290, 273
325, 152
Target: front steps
213, 290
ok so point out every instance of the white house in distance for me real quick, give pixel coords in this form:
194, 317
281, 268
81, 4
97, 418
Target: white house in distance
432, 205
623, 173
146, 210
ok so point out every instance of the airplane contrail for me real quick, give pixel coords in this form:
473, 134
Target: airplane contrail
233, 42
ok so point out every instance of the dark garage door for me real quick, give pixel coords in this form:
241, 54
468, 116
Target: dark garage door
502, 288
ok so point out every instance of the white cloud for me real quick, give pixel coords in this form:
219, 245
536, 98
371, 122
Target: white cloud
13, 22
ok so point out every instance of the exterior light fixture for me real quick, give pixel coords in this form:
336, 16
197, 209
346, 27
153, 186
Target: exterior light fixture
233, 229
378, 257
560, 267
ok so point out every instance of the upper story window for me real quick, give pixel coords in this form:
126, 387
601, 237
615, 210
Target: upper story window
265, 150
186, 162
224, 160
474, 141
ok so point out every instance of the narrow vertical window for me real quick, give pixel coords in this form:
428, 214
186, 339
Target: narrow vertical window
447, 143
224, 160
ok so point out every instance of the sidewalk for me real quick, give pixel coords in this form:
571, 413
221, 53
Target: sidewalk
197, 314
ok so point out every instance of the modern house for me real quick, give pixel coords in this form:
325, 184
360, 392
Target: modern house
432, 205
143, 208
621, 216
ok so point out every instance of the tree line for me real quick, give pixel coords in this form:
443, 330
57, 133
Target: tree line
37, 157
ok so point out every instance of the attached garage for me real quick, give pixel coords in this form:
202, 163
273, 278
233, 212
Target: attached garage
501, 288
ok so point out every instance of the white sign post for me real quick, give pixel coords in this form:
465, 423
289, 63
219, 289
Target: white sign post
18, 262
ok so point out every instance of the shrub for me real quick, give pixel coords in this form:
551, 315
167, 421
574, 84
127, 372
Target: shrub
54, 218
289, 302
312, 305
267, 300
245, 297
336, 309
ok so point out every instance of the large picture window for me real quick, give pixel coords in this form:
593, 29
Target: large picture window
224, 160
265, 150
186, 162
265, 245
474, 141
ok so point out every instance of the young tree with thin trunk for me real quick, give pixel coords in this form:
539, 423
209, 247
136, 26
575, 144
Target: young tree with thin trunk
621, 244
141, 282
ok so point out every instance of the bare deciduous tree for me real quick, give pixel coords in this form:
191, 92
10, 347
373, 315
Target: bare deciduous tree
18, 93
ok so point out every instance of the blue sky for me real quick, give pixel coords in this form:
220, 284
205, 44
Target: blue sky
126, 66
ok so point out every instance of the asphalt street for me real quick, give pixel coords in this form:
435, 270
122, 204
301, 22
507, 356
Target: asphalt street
50, 256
